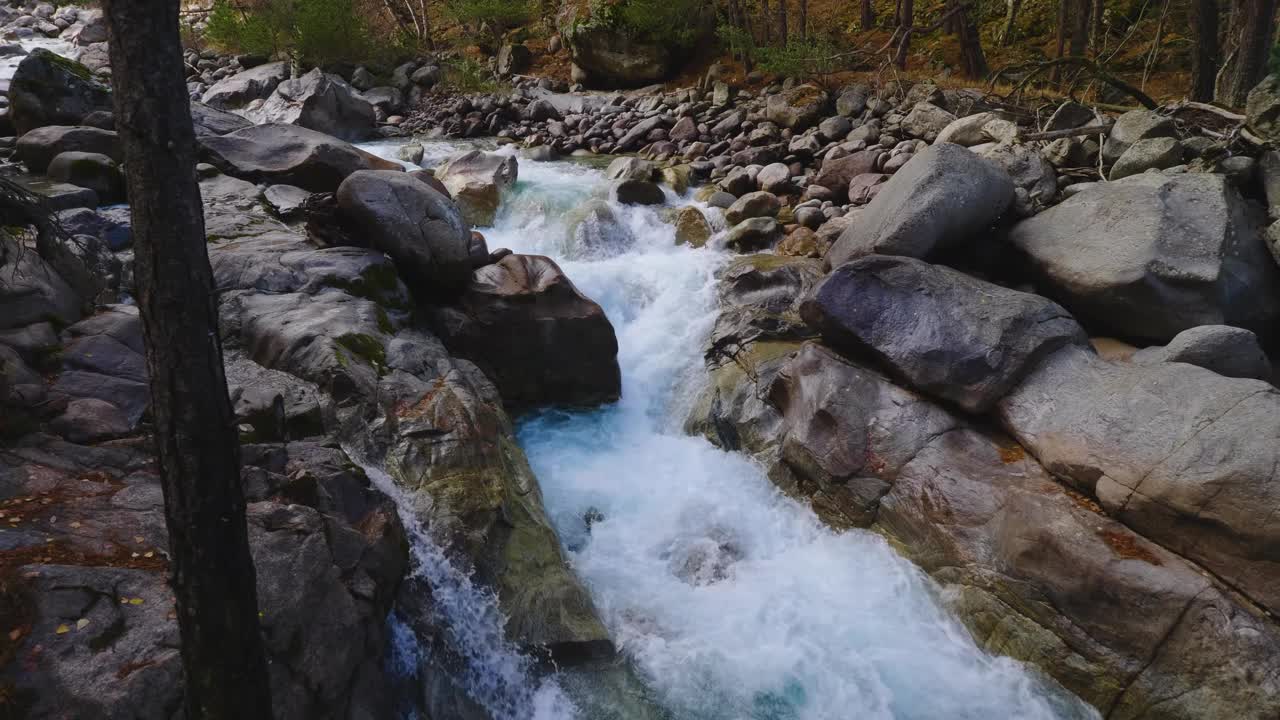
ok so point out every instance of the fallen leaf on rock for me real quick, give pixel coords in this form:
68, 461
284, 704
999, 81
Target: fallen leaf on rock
81, 623
62, 630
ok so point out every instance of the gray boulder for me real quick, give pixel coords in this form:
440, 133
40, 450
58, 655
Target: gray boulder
320, 102
836, 173
753, 205
948, 334
236, 91
513, 58
212, 121
1147, 154
289, 155
942, 197
48, 89
1178, 453
567, 348
1133, 126
31, 291
1027, 168
636, 192
1229, 351
39, 147
1262, 108
477, 181
798, 108
90, 170
630, 168
1153, 255
594, 231
926, 121
753, 234
420, 229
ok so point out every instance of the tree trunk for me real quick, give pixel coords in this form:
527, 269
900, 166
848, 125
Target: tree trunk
764, 26
972, 58
1250, 36
1011, 15
1204, 64
1080, 27
906, 14
1097, 35
213, 578
1061, 43
782, 22
804, 19
868, 15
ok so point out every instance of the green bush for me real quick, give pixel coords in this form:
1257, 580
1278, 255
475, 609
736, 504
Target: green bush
465, 75
674, 22
319, 31
498, 13
798, 58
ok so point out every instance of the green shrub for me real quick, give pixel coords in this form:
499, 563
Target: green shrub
673, 22
319, 31
497, 13
737, 41
465, 75
798, 58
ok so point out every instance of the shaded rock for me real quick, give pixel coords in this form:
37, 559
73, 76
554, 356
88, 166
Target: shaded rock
289, 155
1145, 154
421, 230
1229, 351
1133, 126
1153, 255
607, 56
238, 90
1262, 108
926, 121
534, 334
1026, 167
948, 334
752, 205
319, 102
31, 291
636, 192
513, 58
48, 89
798, 108
753, 234
836, 173
286, 200
212, 121
944, 196
90, 170
476, 180
39, 147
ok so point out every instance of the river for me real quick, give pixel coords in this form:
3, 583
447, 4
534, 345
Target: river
732, 601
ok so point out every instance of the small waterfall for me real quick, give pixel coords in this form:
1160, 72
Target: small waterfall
477, 659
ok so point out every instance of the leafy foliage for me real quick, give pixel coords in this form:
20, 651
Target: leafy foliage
319, 31
799, 58
671, 21
468, 76
497, 13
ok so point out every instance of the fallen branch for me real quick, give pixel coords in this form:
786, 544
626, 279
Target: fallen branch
1085, 64
1068, 132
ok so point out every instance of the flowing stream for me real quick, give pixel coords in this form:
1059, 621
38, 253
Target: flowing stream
732, 601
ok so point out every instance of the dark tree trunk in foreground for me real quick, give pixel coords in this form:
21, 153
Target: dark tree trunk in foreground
1248, 47
782, 22
212, 572
1204, 64
868, 15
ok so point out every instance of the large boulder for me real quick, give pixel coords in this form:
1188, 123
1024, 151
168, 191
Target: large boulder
1133, 126
48, 89
1233, 352
1183, 455
95, 171
950, 335
798, 108
1153, 255
212, 121
289, 155
1262, 108
606, 56
420, 229
39, 147
236, 91
31, 291
836, 173
539, 339
319, 102
477, 180
942, 197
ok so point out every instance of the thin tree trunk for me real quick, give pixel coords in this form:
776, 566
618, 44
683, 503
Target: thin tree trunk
782, 22
1204, 64
868, 15
804, 19
1150, 64
213, 577
1096, 36
974, 61
1061, 45
907, 18
764, 26
1011, 15
1250, 36
1080, 27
